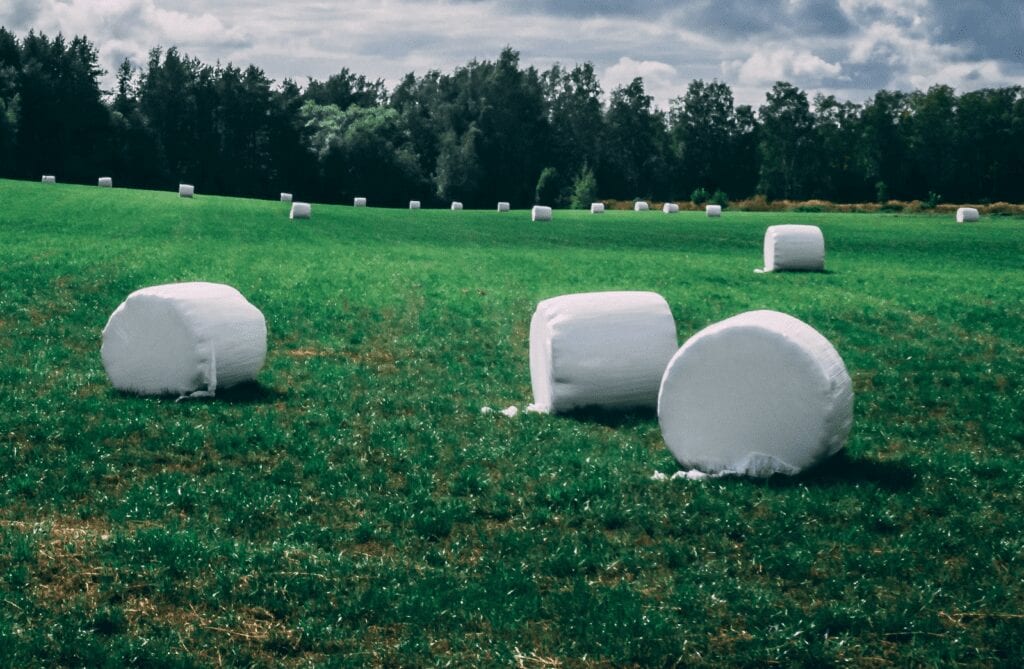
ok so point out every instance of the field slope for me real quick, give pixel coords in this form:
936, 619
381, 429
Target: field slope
355, 508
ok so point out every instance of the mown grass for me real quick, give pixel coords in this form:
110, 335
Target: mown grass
354, 507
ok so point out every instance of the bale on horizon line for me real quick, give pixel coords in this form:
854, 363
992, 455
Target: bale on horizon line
49, 179
597, 207
967, 215
670, 208
456, 206
300, 210
359, 202
794, 248
540, 213
414, 204
640, 205
181, 338
186, 190
286, 197
606, 349
503, 207
756, 394
105, 182
713, 210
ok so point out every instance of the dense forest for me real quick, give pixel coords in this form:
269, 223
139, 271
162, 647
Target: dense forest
489, 131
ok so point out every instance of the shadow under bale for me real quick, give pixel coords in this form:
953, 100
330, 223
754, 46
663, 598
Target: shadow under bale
842, 469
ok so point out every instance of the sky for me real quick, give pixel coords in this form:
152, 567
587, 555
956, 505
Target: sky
849, 48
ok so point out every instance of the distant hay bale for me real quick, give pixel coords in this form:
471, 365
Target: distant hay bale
604, 349
713, 210
105, 182
414, 204
540, 213
186, 190
794, 248
641, 206
182, 338
301, 210
49, 179
597, 207
359, 202
756, 394
503, 207
286, 197
456, 206
670, 208
966, 215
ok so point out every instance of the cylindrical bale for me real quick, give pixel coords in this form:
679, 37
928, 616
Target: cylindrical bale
540, 213
670, 208
756, 394
456, 206
183, 337
301, 210
641, 206
105, 182
359, 202
966, 215
597, 207
49, 179
186, 190
794, 248
713, 210
600, 349
414, 204
504, 207
286, 198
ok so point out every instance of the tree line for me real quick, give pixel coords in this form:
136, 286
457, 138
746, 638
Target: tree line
489, 131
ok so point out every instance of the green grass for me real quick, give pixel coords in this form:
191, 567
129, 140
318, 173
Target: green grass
354, 508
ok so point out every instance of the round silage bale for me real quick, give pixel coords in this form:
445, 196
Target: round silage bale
794, 248
286, 198
605, 349
504, 207
713, 210
359, 202
414, 204
540, 213
186, 190
670, 208
641, 206
456, 206
967, 215
105, 182
183, 337
756, 394
597, 207
300, 210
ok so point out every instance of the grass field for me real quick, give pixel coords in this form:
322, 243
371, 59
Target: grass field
354, 507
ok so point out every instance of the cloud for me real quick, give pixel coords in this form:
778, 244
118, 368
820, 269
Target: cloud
766, 66
661, 80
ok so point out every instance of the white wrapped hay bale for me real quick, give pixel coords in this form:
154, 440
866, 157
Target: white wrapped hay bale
966, 215
713, 210
183, 337
186, 190
414, 204
286, 198
301, 210
540, 213
504, 207
597, 207
756, 394
794, 248
641, 206
49, 179
105, 182
456, 206
600, 349
359, 202
670, 208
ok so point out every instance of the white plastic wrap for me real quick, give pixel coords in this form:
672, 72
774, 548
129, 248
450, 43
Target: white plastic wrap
641, 206
105, 182
359, 202
600, 349
794, 248
503, 207
301, 210
967, 215
186, 190
456, 206
183, 337
713, 210
286, 198
414, 204
670, 208
49, 179
597, 208
756, 394
539, 213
